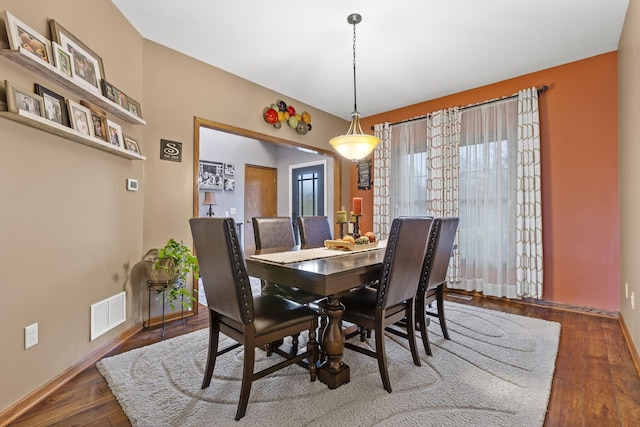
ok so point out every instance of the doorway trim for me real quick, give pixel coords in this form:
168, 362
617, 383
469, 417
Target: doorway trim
199, 122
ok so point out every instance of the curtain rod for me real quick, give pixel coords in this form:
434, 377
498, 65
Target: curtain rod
543, 89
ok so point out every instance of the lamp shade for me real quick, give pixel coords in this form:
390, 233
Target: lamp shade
209, 198
355, 144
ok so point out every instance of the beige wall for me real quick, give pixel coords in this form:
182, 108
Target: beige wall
629, 159
71, 234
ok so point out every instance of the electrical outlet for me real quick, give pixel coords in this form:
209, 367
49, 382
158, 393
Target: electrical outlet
30, 336
626, 290
633, 302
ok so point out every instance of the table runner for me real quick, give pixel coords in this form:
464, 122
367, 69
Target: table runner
309, 254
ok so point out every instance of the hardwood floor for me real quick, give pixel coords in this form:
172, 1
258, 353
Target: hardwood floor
595, 381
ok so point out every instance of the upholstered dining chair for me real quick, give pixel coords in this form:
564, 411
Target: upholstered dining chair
394, 297
432, 279
277, 232
314, 230
252, 321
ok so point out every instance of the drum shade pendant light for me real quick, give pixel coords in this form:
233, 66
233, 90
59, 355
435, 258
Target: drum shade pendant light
355, 144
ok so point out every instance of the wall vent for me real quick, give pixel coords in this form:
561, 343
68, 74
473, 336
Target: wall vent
107, 314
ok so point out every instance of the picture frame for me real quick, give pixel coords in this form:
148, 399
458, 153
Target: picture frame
88, 67
110, 92
210, 175
23, 36
131, 144
54, 105
80, 118
229, 169
364, 175
19, 98
62, 60
134, 107
114, 133
229, 184
98, 120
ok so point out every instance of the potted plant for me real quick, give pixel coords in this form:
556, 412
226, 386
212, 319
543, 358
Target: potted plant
167, 269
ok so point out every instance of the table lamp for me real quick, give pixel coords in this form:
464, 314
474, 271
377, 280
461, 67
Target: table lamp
209, 199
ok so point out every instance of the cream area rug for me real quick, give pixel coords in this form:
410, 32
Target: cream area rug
495, 371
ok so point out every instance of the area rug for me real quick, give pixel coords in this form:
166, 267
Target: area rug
495, 371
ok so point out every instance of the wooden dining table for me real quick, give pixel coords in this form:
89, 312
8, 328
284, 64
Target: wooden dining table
330, 277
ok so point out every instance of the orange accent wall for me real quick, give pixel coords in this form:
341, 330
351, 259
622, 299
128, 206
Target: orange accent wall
579, 149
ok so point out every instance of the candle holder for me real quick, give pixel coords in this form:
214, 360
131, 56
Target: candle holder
356, 225
342, 224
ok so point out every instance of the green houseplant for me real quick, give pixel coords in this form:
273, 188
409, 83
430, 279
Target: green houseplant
168, 267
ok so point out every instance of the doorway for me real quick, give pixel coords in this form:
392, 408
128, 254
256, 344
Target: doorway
308, 196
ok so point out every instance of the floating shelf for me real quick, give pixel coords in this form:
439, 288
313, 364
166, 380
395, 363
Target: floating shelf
52, 127
51, 73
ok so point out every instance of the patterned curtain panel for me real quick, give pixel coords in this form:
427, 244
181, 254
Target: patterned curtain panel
529, 200
381, 181
443, 141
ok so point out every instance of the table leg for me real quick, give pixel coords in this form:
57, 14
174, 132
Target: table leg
333, 372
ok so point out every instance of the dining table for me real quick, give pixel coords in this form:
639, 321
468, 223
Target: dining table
327, 273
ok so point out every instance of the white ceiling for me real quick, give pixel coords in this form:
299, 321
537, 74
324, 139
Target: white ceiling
407, 51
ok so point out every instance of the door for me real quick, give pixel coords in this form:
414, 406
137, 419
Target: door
260, 199
307, 193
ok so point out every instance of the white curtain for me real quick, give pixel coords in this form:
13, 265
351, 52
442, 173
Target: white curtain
529, 270
442, 177
488, 180
381, 181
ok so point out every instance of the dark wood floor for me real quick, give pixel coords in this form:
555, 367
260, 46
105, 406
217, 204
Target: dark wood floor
595, 382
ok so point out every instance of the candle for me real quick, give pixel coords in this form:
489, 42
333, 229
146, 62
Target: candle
357, 205
342, 216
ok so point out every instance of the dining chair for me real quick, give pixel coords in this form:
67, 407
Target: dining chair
252, 321
433, 279
277, 232
314, 230
394, 297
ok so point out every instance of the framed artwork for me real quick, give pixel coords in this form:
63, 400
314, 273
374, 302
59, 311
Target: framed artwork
364, 175
22, 36
80, 118
131, 144
134, 107
210, 175
55, 107
229, 169
229, 184
98, 120
87, 65
170, 150
114, 133
22, 99
62, 60
110, 91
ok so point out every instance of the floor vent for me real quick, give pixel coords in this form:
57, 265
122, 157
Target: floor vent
460, 296
107, 314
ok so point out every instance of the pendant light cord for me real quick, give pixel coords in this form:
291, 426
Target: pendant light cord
355, 102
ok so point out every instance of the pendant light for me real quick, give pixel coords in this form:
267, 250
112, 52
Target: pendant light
355, 144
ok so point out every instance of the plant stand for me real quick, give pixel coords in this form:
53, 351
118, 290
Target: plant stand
161, 287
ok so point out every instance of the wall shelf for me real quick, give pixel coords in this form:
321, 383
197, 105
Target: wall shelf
52, 74
52, 127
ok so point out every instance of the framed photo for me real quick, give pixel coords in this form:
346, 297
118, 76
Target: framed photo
98, 120
87, 65
229, 169
210, 175
134, 107
55, 107
22, 99
23, 36
62, 60
229, 184
131, 144
110, 92
80, 118
115, 133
